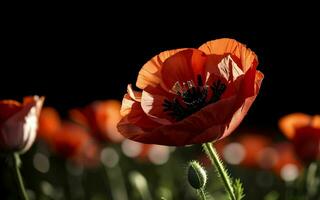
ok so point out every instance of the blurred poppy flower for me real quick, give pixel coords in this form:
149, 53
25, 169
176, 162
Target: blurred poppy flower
19, 123
75, 143
68, 139
286, 164
49, 123
191, 95
304, 131
101, 117
248, 149
289, 123
258, 151
254, 146
307, 143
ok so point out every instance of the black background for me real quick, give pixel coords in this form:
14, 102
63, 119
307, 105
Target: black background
74, 57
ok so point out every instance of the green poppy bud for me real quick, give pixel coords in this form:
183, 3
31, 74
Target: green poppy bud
197, 176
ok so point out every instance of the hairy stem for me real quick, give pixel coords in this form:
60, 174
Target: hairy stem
202, 194
216, 161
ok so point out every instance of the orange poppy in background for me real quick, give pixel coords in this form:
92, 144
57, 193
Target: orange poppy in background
191, 95
304, 131
19, 123
258, 151
68, 139
290, 123
101, 117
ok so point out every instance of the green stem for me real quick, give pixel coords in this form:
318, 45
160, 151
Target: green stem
202, 194
117, 185
288, 191
141, 185
216, 161
311, 180
22, 190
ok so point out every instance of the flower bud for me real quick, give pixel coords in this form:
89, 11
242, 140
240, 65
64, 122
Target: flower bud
197, 176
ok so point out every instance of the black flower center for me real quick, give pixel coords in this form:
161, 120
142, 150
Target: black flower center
191, 98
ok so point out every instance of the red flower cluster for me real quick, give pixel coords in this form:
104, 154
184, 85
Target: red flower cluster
78, 139
68, 139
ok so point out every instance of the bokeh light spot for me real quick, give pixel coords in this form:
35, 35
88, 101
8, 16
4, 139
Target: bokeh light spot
130, 148
109, 157
41, 162
159, 154
234, 153
289, 172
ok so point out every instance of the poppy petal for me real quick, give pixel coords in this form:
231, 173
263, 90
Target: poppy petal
126, 105
243, 56
135, 95
226, 68
31, 121
184, 66
135, 122
150, 73
229, 73
8, 108
152, 105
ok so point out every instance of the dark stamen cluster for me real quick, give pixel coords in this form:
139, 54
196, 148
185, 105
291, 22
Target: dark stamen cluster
193, 98
218, 89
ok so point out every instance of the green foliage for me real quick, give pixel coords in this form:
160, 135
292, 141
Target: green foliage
65, 181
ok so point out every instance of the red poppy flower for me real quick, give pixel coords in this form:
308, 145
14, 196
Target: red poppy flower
19, 123
304, 131
68, 139
191, 95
